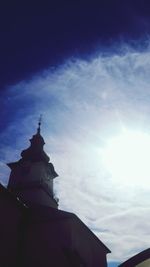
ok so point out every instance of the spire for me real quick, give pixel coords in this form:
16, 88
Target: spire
31, 177
35, 152
39, 125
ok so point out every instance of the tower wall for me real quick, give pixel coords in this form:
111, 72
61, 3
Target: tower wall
32, 182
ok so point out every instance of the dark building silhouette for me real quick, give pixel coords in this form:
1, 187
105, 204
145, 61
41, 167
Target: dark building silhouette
33, 232
141, 259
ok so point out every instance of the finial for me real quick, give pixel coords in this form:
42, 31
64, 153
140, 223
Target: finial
39, 124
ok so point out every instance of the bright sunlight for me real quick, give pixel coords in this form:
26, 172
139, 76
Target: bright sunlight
127, 158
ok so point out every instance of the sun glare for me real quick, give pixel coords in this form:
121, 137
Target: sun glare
127, 158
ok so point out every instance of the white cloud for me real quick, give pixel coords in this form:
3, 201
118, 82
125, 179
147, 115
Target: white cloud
84, 103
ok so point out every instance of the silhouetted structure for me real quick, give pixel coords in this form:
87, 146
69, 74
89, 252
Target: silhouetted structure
33, 232
141, 259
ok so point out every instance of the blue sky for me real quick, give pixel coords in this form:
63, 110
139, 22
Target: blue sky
83, 65
86, 104
113, 264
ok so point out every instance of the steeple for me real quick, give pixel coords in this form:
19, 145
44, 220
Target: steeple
31, 177
35, 152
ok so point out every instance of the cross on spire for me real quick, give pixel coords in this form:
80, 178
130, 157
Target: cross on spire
39, 124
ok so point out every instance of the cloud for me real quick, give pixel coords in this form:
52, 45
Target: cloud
84, 103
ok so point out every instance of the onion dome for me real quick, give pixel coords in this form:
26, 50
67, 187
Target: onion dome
35, 152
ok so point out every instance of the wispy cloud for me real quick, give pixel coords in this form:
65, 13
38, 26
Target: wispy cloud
84, 103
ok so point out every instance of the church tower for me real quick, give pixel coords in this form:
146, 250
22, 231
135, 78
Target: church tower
40, 233
31, 178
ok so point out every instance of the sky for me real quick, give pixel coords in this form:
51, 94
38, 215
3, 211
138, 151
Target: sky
85, 66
